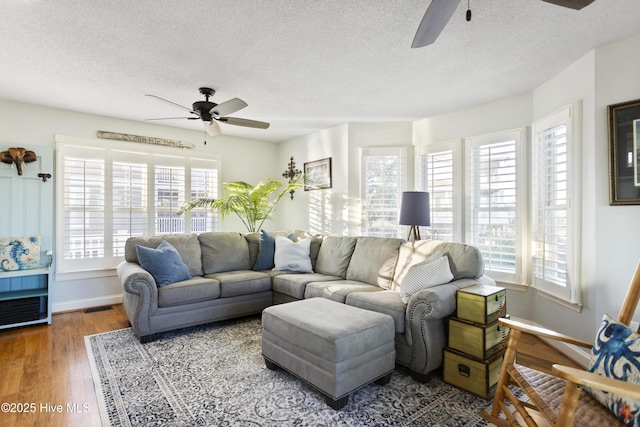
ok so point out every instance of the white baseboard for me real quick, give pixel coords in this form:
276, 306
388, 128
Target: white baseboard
81, 304
578, 354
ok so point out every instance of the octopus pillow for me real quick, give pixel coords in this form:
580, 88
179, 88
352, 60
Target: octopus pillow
616, 354
19, 253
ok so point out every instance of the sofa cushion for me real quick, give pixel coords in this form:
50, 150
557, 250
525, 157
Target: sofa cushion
337, 290
386, 302
266, 251
294, 285
424, 275
241, 282
316, 242
190, 291
334, 255
373, 261
163, 263
187, 245
465, 261
224, 251
292, 256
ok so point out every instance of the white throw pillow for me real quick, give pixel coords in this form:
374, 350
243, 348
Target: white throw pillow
424, 275
292, 256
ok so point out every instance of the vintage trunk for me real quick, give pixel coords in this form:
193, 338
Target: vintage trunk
479, 377
481, 304
480, 341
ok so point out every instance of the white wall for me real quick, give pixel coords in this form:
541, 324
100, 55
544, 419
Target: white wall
319, 211
33, 126
335, 210
617, 235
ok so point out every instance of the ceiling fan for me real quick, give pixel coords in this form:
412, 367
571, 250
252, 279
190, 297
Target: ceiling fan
212, 113
439, 13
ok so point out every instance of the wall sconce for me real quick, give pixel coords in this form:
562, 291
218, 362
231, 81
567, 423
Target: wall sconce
291, 173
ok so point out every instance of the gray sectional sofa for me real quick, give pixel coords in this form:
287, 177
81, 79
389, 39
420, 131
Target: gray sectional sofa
364, 272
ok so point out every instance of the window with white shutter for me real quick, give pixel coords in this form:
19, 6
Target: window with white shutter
111, 194
83, 207
435, 171
169, 196
493, 220
129, 193
383, 180
555, 214
204, 183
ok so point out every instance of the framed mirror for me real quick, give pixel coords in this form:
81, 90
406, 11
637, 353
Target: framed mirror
624, 153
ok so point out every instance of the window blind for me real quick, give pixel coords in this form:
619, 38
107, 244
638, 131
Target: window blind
83, 208
129, 192
383, 183
436, 177
550, 206
492, 208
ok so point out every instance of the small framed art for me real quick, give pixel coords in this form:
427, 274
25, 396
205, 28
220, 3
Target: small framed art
318, 174
624, 153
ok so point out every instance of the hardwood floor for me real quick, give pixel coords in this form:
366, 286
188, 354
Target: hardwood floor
45, 369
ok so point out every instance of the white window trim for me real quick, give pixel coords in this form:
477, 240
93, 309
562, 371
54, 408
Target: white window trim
522, 195
458, 179
169, 155
569, 296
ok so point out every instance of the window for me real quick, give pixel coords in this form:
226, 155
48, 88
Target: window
435, 169
555, 217
383, 172
494, 221
110, 194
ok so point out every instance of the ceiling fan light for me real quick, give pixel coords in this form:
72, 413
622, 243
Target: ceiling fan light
213, 128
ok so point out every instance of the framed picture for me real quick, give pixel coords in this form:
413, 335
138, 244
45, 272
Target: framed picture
624, 153
318, 174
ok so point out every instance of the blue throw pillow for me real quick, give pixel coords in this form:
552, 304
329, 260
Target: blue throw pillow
616, 354
163, 263
265, 252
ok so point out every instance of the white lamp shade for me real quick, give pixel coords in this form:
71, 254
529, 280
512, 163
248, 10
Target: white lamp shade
213, 128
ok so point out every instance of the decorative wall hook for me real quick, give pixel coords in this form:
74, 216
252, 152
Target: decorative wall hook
291, 173
44, 176
18, 156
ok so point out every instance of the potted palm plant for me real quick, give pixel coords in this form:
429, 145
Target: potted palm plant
252, 204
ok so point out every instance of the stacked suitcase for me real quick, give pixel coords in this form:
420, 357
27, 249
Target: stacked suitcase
477, 343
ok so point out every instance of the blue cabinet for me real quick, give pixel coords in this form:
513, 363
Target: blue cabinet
24, 298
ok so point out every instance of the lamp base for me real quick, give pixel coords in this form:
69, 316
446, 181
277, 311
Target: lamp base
414, 233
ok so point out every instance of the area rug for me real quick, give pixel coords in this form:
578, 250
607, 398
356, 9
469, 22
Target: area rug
214, 375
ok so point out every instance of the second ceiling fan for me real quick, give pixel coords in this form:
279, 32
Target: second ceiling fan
439, 13
212, 113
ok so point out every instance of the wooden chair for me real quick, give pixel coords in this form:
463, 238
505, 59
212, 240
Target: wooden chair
557, 398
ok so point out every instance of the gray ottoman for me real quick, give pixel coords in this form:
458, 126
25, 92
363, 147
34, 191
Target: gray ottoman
334, 347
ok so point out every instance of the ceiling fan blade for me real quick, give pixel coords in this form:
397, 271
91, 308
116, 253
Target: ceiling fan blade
228, 107
244, 122
171, 118
172, 103
433, 22
572, 4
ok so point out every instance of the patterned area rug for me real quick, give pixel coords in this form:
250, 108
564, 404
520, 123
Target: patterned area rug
214, 375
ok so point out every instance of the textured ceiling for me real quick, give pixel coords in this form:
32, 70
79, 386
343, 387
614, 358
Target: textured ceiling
301, 65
